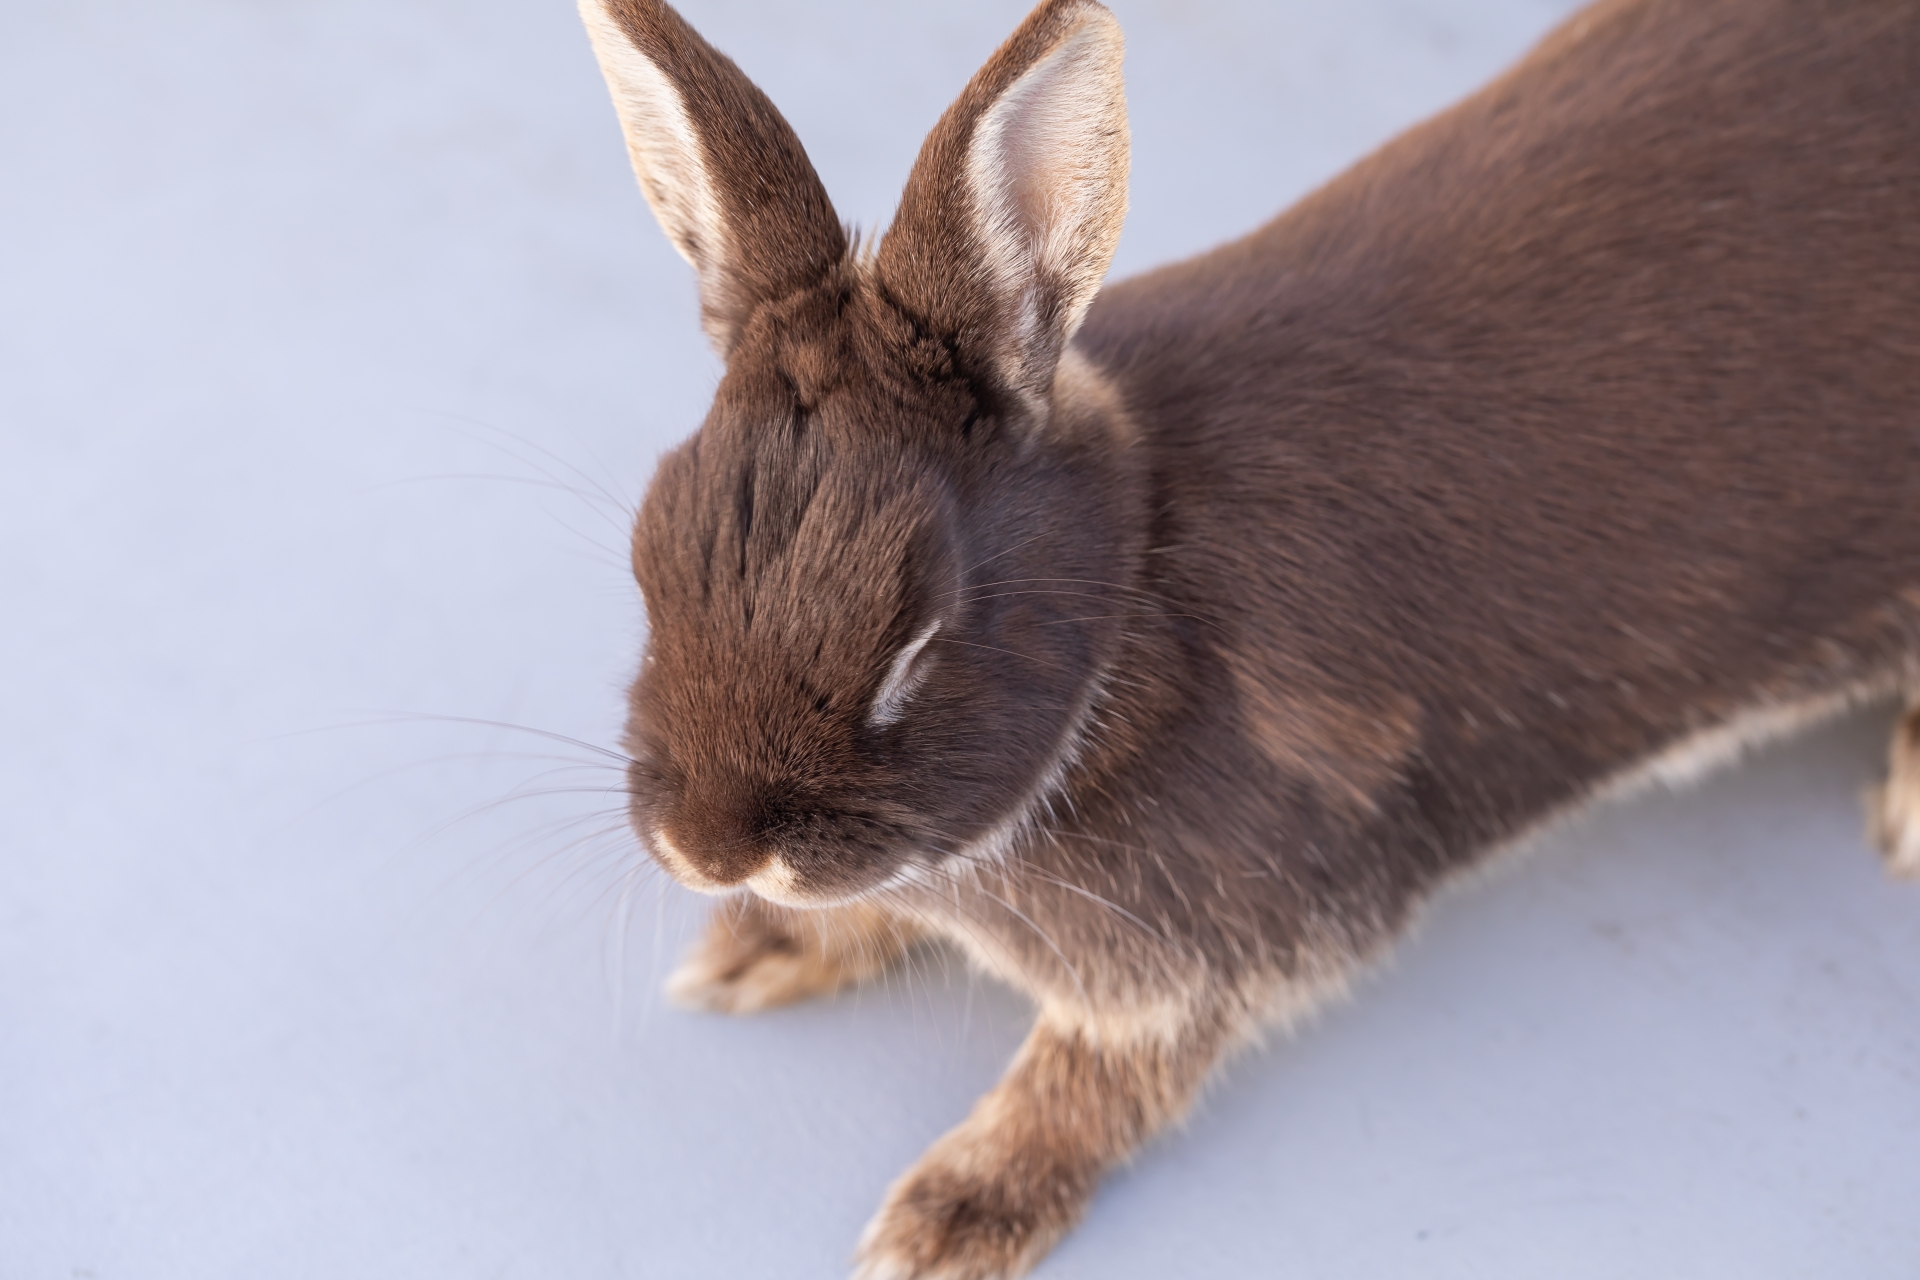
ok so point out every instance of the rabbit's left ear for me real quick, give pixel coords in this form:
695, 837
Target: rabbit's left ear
1014, 208
726, 176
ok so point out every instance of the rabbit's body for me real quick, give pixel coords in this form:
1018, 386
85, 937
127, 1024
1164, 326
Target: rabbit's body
1571, 440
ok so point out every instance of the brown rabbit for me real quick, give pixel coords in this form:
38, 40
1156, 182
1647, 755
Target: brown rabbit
1166, 646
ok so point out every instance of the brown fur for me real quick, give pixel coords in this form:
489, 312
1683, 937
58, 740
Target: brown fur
781, 233
1579, 422
994, 1194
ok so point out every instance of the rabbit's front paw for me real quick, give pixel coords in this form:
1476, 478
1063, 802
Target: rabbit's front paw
990, 1198
759, 956
746, 976
972, 1209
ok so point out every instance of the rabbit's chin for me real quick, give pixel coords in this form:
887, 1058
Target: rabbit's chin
779, 884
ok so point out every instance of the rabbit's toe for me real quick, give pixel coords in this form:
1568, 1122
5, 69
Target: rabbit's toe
746, 980
758, 956
971, 1211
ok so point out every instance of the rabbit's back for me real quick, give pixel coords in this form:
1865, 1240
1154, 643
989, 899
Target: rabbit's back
1591, 407
1574, 425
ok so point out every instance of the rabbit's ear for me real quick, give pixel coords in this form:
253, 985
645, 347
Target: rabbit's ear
724, 173
1013, 210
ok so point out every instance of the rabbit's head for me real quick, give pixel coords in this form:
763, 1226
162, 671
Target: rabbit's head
880, 579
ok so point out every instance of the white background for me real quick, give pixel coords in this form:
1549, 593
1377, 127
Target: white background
322, 328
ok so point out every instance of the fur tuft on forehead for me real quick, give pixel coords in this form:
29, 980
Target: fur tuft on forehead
846, 359
789, 545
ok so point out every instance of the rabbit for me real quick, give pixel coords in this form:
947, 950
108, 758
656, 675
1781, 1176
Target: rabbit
1164, 646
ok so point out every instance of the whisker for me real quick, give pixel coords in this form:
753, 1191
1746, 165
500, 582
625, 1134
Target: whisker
1109, 617
567, 764
1009, 551
1026, 657
979, 887
428, 717
1129, 588
1028, 868
605, 494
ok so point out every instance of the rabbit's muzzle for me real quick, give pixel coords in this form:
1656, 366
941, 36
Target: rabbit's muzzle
718, 840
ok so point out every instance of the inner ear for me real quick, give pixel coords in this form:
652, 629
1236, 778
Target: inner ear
1041, 171
1014, 208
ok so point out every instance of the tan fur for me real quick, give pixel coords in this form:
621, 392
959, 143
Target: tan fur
758, 956
1087, 406
1894, 809
776, 882
993, 1195
1353, 753
1705, 753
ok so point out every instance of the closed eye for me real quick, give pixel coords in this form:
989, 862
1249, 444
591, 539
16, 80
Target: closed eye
903, 677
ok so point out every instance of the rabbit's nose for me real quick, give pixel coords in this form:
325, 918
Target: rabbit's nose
711, 861
667, 852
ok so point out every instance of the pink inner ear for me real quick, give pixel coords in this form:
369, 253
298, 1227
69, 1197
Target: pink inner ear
1047, 169
1038, 170
1032, 138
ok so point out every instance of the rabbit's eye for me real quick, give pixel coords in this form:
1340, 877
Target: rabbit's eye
903, 677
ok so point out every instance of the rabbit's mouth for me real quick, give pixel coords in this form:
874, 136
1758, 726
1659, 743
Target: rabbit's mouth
771, 876
777, 882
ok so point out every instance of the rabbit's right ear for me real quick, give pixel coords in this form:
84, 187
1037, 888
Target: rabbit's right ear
726, 176
1013, 210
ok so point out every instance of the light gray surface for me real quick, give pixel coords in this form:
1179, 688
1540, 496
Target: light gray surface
285, 993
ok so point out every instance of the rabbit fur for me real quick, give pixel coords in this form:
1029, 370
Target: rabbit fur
1165, 646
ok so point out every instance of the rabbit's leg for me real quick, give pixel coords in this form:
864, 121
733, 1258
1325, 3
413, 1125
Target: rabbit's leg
994, 1194
1894, 809
757, 955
